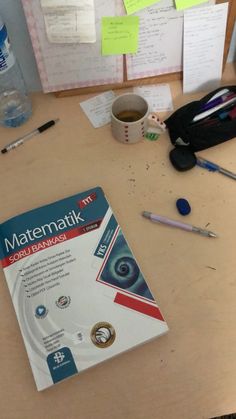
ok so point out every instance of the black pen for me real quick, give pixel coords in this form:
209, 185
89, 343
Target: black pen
21, 140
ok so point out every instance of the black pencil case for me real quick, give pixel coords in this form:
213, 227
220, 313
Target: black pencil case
203, 134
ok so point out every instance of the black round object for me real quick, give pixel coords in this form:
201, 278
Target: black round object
182, 158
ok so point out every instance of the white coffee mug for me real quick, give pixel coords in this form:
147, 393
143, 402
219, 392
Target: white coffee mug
129, 118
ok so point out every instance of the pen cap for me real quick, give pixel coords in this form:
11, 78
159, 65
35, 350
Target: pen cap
46, 125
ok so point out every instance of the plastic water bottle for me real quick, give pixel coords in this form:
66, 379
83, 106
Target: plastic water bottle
15, 105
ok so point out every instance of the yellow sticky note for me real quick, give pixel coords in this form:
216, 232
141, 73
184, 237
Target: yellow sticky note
133, 6
184, 4
120, 35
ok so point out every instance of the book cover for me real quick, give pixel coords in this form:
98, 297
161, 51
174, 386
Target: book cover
78, 292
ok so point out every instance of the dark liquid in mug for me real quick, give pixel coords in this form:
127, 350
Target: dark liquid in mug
129, 116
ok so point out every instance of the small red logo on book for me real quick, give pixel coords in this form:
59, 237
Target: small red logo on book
88, 200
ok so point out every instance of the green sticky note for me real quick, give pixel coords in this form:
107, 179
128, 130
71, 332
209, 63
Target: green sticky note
184, 4
133, 6
120, 35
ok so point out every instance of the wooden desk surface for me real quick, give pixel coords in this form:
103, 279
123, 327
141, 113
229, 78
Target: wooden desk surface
188, 373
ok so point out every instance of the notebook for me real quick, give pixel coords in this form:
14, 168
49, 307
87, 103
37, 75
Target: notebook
79, 294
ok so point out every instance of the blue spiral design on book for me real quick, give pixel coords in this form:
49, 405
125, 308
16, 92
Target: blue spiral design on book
122, 270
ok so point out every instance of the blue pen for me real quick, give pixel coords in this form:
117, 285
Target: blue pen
212, 167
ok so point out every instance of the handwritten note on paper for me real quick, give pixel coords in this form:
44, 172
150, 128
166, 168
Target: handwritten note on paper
158, 96
204, 38
120, 35
98, 108
133, 6
184, 4
157, 53
69, 21
68, 66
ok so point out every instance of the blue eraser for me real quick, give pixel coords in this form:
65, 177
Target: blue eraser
183, 206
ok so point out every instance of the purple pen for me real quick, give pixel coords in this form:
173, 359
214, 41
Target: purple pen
221, 107
178, 224
212, 103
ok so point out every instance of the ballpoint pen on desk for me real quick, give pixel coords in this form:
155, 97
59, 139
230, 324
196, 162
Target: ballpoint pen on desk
212, 167
178, 224
19, 141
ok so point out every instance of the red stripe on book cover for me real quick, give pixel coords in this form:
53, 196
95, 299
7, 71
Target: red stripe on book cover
140, 306
50, 241
87, 200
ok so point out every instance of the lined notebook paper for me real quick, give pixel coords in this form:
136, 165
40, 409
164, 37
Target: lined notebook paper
204, 38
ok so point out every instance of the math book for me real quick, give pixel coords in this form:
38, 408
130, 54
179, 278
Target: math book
78, 292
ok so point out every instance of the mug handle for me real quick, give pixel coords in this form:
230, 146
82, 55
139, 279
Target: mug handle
155, 122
